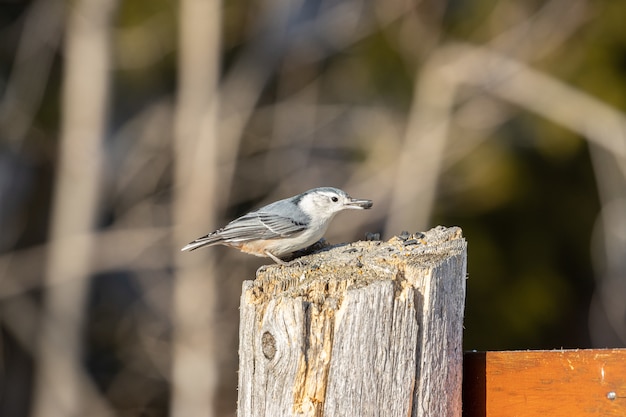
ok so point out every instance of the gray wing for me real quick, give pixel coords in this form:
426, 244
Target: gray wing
279, 219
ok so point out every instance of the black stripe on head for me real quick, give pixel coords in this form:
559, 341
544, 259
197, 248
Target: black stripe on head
322, 189
296, 199
330, 190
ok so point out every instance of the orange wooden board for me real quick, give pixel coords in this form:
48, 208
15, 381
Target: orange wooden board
539, 383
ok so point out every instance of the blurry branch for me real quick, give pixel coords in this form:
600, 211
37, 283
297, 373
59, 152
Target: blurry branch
116, 248
289, 160
456, 66
602, 125
519, 84
419, 163
195, 357
60, 389
436, 96
31, 68
608, 305
276, 39
460, 65
543, 32
610, 240
276, 35
293, 120
242, 87
140, 160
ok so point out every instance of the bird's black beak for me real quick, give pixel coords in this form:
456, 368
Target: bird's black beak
356, 203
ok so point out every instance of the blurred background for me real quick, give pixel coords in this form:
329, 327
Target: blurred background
129, 128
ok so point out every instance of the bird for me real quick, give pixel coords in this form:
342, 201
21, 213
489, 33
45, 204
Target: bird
285, 226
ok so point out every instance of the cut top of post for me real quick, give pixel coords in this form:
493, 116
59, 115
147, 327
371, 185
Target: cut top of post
337, 268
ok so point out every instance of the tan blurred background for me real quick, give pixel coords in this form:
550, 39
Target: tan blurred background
128, 128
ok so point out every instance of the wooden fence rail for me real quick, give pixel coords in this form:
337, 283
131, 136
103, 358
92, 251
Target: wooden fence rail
539, 383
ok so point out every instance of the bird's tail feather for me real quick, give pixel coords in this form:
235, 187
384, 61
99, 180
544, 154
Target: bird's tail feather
207, 240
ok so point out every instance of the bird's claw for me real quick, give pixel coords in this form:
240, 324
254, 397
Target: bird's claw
297, 262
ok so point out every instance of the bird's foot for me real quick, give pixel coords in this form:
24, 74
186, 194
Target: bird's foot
276, 258
298, 262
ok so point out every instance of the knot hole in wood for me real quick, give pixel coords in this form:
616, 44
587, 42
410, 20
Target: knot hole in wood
268, 345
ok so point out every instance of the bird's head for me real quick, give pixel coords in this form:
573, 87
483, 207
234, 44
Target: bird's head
323, 203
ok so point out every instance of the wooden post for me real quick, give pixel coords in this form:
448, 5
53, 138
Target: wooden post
364, 329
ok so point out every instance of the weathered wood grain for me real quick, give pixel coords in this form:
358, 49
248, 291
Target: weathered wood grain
365, 329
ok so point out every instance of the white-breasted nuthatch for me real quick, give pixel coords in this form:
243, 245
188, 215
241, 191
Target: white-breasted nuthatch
285, 226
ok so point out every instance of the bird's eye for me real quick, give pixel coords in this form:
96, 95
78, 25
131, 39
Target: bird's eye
335, 199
